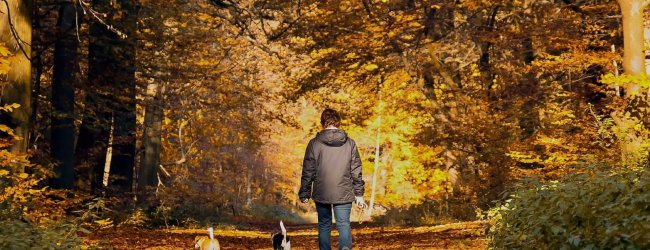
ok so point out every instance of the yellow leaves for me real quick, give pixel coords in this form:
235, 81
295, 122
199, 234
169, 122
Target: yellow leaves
415, 25
204, 17
4, 52
19, 189
370, 67
320, 53
625, 79
300, 41
171, 23
351, 55
5, 59
10, 107
104, 223
4, 66
9, 131
183, 123
523, 157
574, 61
203, 62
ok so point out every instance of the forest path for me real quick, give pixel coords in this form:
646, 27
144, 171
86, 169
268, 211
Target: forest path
463, 235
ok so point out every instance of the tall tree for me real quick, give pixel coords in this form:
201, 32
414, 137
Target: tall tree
16, 34
375, 171
110, 95
63, 86
151, 139
123, 162
633, 64
633, 55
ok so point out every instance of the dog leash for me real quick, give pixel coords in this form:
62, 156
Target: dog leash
360, 219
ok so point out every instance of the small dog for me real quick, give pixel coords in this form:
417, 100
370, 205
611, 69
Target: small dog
281, 240
205, 243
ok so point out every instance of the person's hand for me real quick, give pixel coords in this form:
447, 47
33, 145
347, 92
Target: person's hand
359, 201
304, 200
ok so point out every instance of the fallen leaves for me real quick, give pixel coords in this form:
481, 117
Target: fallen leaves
464, 235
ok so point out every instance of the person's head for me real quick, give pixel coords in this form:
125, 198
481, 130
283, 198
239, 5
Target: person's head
330, 117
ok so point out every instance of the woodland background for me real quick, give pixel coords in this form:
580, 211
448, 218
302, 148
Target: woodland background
185, 113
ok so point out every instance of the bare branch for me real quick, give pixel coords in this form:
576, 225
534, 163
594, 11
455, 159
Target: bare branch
14, 33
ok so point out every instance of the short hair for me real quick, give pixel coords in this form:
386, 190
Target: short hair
330, 117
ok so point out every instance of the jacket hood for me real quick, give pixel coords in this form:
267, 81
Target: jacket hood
332, 137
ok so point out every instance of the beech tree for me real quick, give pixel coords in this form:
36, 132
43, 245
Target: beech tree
110, 96
63, 101
16, 34
636, 112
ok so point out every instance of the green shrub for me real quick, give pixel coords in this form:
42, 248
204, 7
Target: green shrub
21, 235
599, 210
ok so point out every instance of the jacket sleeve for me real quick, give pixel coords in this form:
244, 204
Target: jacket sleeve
355, 168
308, 172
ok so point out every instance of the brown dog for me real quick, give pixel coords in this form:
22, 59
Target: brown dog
205, 243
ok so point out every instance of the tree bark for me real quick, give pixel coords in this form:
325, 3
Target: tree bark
123, 163
16, 34
152, 140
377, 144
111, 91
63, 84
484, 64
633, 53
633, 64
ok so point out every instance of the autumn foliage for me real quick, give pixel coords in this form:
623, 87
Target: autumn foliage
128, 114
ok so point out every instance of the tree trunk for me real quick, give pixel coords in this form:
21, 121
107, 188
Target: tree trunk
249, 194
376, 169
152, 140
123, 163
110, 91
94, 131
16, 34
63, 84
633, 64
484, 64
633, 54
106, 173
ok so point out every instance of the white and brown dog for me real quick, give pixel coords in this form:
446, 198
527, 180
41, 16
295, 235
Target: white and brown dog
205, 243
281, 240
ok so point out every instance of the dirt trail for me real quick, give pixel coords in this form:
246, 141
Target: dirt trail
466, 235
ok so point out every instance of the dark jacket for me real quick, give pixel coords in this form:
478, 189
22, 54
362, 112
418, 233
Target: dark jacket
333, 166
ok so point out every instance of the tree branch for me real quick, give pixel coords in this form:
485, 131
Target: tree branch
14, 33
440, 68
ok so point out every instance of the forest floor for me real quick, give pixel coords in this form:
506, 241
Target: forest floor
464, 235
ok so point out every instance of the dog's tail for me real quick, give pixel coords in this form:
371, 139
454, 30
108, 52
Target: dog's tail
285, 243
284, 230
211, 232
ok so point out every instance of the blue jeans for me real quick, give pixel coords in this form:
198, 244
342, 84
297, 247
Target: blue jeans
342, 216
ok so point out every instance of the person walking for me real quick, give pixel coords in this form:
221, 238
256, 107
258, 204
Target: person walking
331, 176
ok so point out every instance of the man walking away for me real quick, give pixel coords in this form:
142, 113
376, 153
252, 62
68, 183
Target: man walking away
331, 176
